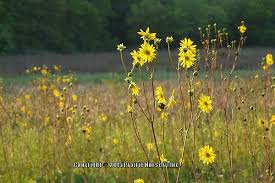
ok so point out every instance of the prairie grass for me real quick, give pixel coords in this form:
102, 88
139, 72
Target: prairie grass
192, 113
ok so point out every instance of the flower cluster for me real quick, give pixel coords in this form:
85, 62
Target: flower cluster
267, 61
187, 53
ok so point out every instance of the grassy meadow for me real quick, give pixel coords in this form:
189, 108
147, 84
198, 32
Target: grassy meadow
212, 118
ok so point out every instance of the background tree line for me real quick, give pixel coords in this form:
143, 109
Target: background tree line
65, 26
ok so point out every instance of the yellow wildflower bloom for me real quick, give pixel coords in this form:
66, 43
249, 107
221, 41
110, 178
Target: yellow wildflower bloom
23, 109
264, 67
242, 28
171, 102
135, 89
44, 88
187, 45
56, 67
44, 72
56, 93
115, 141
27, 97
269, 59
205, 103
147, 36
150, 146
129, 109
147, 52
74, 97
61, 104
262, 123
137, 58
103, 117
273, 119
187, 59
69, 119
139, 181
160, 97
163, 159
87, 130
207, 155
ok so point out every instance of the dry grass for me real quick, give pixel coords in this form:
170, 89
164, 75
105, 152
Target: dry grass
214, 124
33, 149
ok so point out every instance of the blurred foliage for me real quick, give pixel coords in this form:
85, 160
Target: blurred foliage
65, 26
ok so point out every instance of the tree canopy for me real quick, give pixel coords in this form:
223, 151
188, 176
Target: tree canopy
65, 26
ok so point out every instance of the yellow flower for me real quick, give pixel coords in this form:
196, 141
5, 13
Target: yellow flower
65, 90
273, 119
61, 104
205, 103
137, 58
56, 93
139, 181
27, 97
44, 88
68, 119
262, 123
103, 117
207, 155
147, 52
115, 141
187, 59
187, 45
62, 98
150, 146
23, 109
135, 89
44, 72
129, 109
269, 59
242, 28
56, 67
87, 131
19, 100
163, 159
74, 97
172, 102
147, 36
160, 97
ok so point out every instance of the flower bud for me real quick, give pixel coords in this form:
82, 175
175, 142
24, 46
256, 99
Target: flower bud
169, 39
